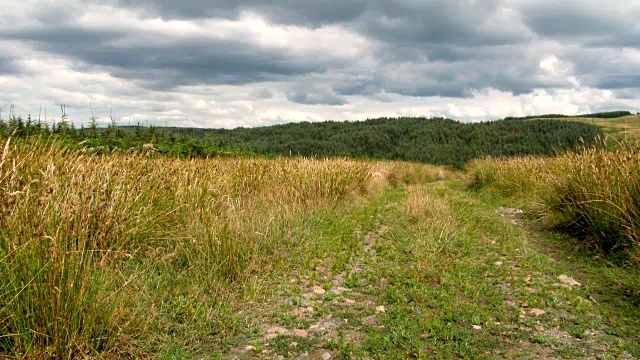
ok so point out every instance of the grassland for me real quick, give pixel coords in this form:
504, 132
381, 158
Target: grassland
594, 193
144, 256
620, 129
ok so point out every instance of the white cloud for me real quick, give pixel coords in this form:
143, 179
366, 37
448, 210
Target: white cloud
250, 69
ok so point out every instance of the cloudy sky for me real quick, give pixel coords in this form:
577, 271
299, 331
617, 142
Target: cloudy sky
227, 63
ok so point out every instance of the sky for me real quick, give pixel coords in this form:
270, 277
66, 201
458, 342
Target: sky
227, 64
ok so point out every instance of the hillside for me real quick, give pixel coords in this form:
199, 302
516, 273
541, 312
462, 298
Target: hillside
626, 127
436, 141
620, 125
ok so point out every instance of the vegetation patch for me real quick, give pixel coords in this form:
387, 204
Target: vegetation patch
435, 141
132, 254
98, 251
593, 193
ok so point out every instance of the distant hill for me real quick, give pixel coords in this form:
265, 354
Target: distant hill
436, 140
600, 115
626, 127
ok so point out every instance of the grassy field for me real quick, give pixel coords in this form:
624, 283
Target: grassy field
594, 193
623, 128
143, 256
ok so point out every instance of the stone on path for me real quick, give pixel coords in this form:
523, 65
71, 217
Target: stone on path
335, 291
380, 309
537, 312
509, 212
318, 290
326, 356
274, 331
568, 280
317, 330
370, 320
300, 333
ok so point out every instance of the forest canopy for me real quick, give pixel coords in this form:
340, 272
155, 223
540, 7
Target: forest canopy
430, 140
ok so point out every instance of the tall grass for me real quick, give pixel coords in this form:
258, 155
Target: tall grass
430, 217
73, 225
594, 192
403, 173
522, 176
598, 194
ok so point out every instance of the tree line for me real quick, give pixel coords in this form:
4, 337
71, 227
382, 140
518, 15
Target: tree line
431, 140
599, 115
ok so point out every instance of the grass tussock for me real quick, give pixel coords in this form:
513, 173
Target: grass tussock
599, 195
83, 238
431, 219
406, 174
594, 192
516, 176
423, 204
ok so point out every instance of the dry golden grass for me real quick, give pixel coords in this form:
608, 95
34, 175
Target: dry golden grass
523, 175
594, 192
403, 173
71, 220
423, 204
433, 225
74, 225
623, 128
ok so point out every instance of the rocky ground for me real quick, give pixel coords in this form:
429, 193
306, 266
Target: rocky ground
466, 278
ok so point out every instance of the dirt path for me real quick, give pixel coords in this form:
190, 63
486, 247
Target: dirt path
462, 278
328, 320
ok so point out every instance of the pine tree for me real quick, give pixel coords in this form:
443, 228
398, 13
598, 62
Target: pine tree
93, 125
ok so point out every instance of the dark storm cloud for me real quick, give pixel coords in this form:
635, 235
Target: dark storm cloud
559, 20
457, 37
606, 68
62, 38
315, 96
262, 94
630, 38
509, 69
419, 48
8, 65
580, 19
618, 81
190, 61
627, 94
439, 21
420, 23
310, 13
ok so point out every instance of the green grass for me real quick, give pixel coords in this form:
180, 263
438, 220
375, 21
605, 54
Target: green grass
127, 256
435, 273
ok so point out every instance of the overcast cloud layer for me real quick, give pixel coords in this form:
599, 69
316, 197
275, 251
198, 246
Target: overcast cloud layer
215, 63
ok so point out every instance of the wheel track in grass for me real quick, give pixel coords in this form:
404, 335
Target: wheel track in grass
324, 310
378, 288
